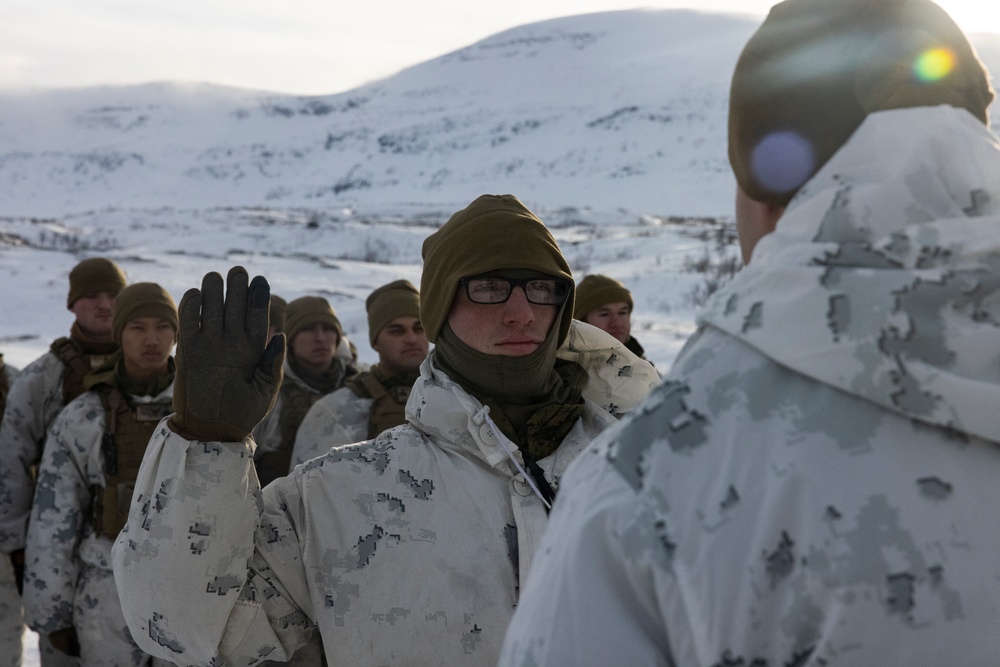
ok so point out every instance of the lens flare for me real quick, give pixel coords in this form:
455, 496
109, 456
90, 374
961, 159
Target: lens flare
934, 64
783, 161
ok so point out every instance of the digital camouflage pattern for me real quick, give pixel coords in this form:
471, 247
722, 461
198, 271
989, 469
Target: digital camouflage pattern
68, 578
33, 402
340, 418
814, 481
35, 399
403, 549
267, 434
275, 434
11, 618
345, 417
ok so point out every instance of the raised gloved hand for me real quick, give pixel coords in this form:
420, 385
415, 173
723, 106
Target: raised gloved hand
65, 641
226, 380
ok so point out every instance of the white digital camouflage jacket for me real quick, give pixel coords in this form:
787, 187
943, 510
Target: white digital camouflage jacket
405, 549
339, 418
35, 398
267, 434
61, 539
11, 372
815, 481
11, 627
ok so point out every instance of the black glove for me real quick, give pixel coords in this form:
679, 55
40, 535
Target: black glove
17, 561
65, 641
226, 380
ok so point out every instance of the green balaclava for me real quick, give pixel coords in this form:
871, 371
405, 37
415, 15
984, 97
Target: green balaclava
596, 290
816, 68
397, 299
533, 399
493, 232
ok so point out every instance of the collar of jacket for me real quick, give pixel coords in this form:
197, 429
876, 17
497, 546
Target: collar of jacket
882, 278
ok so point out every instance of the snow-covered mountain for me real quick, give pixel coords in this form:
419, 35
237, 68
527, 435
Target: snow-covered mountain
617, 109
608, 110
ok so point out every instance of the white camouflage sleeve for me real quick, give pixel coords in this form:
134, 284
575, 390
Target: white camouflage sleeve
34, 400
58, 514
193, 589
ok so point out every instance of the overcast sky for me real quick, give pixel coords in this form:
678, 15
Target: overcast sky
308, 47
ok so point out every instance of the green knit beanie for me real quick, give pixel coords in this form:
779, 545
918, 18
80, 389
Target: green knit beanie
276, 313
816, 68
397, 299
141, 300
493, 232
92, 276
595, 290
307, 311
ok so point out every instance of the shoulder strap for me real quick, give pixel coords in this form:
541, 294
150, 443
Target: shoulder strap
388, 408
366, 385
112, 400
77, 366
295, 403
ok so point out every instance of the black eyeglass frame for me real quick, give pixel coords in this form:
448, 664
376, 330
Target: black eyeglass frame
563, 296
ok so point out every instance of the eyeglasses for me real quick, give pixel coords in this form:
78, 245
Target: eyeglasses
542, 291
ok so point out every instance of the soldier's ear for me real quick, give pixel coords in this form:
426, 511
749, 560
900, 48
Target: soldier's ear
754, 220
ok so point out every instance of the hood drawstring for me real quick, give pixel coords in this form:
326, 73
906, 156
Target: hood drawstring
483, 415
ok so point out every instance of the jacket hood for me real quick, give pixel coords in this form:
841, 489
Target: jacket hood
617, 382
882, 278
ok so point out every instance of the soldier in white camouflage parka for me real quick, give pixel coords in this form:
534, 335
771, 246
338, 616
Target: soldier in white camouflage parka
313, 368
42, 389
374, 400
814, 483
405, 549
85, 480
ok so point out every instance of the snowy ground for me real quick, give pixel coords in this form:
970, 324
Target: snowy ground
669, 264
31, 658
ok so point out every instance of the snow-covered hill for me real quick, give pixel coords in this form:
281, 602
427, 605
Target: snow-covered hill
614, 110
608, 110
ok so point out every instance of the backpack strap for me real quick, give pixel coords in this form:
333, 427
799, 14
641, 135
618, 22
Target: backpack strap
77, 366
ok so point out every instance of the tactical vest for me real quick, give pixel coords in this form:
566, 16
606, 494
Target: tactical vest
388, 406
77, 364
295, 403
128, 428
